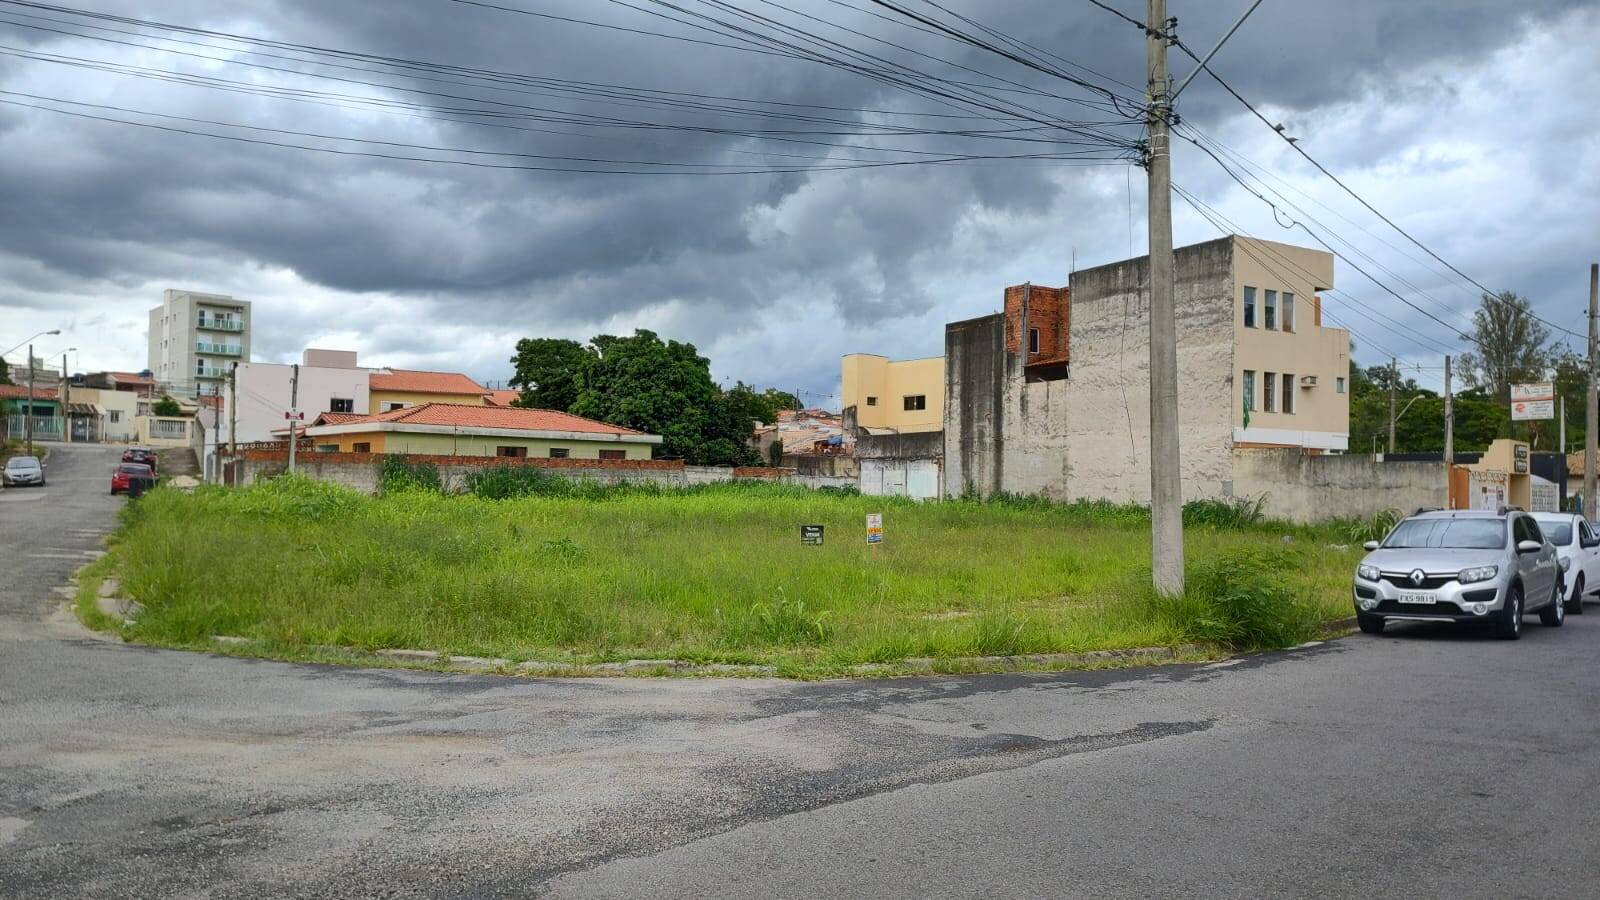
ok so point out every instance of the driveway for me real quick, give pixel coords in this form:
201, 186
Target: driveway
1426, 761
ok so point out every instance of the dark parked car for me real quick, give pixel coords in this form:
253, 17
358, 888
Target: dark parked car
140, 455
126, 474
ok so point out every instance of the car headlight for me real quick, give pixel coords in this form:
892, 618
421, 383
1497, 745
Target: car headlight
1366, 572
1566, 563
1479, 573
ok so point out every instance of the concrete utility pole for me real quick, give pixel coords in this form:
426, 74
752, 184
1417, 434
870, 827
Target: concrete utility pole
1166, 483
1394, 376
27, 417
294, 401
233, 409
1561, 439
1449, 418
65, 396
1591, 413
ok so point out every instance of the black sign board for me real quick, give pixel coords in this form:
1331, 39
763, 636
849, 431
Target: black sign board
811, 534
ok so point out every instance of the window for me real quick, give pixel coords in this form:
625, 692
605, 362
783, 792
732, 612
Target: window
1249, 389
1338, 385
1249, 307
1585, 535
515, 452
327, 448
1534, 534
872, 401
1288, 393
1288, 311
393, 405
341, 404
559, 452
1033, 340
361, 447
1271, 310
116, 416
613, 454
916, 401
1269, 401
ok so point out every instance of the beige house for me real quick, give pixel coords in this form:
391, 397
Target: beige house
455, 429
894, 395
1291, 372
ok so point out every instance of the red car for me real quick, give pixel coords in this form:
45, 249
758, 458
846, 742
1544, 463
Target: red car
125, 474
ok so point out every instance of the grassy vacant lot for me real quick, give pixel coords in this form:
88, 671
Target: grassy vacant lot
715, 574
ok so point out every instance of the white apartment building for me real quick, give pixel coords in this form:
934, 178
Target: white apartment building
195, 338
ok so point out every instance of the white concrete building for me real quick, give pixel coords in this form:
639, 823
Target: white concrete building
330, 381
195, 338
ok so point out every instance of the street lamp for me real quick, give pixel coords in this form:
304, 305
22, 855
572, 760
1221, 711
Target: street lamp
27, 417
39, 335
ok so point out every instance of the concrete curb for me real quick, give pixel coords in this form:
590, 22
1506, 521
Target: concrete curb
479, 665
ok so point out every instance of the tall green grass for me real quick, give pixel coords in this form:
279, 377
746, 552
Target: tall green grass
714, 573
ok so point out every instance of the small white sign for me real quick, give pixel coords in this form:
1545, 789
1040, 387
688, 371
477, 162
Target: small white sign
295, 415
1531, 402
874, 528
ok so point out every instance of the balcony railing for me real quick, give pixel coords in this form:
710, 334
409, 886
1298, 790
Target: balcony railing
45, 428
210, 372
216, 349
221, 324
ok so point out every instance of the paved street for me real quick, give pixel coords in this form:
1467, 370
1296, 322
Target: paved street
1423, 762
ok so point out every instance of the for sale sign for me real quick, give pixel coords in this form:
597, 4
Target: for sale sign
1530, 402
811, 534
874, 528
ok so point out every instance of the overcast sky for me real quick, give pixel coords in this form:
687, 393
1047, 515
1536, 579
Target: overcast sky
1463, 120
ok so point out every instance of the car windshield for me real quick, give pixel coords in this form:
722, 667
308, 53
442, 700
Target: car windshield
1559, 533
22, 462
135, 470
1467, 534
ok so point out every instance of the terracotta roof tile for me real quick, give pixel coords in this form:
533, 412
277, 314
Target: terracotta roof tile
502, 398
20, 392
461, 415
413, 381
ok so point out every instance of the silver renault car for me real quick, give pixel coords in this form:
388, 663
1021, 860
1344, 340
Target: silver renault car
1460, 566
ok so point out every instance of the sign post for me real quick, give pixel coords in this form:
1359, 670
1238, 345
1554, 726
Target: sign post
1533, 402
811, 534
874, 528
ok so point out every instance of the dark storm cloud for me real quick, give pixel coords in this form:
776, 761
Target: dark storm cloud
85, 203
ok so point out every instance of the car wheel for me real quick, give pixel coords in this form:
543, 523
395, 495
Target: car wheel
1369, 624
1555, 612
1576, 605
1510, 625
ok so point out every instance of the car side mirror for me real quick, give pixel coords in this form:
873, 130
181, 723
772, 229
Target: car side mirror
1370, 545
1529, 546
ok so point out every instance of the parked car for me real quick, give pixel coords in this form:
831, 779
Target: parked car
21, 470
141, 455
1461, 566
126, 473
1578, 549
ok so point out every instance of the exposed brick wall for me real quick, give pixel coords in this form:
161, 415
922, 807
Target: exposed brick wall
1049, 310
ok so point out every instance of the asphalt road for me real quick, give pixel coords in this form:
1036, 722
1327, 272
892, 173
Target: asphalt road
1423, 762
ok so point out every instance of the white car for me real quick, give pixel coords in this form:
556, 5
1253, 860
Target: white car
1578, 549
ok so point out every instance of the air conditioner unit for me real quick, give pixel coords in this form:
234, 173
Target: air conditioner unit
1308, 381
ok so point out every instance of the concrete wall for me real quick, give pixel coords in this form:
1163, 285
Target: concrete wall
380, 400
974, 427
263, 396
1108, 397
1303, 487
915, 445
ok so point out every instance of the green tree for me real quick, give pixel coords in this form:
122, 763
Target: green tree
665, 388
549, 370
5, 371
1512, 346
1571, 380
166, 406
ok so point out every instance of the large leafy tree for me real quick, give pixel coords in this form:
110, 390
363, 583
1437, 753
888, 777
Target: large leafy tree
662, 387
5, 372
1513, 347
548, 371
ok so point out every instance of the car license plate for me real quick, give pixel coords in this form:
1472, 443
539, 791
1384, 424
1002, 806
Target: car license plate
1416, 596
